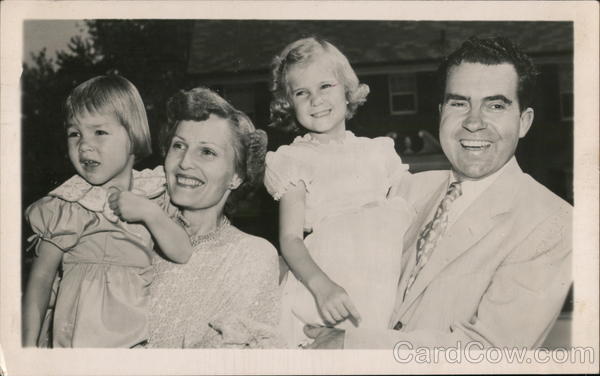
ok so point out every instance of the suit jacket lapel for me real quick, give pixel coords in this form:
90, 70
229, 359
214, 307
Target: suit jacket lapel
423, 209
424, 206
477, 220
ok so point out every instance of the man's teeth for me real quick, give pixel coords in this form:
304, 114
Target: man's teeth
475, 144
188, 181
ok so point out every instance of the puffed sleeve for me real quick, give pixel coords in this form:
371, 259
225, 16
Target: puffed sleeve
285, 168
395, 169
58, 222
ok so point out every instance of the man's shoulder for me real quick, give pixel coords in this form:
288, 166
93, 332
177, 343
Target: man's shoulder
420, 186
425, 179
534, 192
432, 175
532, 203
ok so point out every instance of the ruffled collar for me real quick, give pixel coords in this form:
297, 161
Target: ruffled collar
349, 137
148, 183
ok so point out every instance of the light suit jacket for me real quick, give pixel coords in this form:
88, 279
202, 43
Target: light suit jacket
499, 276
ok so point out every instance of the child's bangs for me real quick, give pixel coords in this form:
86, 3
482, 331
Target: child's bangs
97, 104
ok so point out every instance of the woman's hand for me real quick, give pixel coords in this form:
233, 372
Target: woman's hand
333, 302
131, 207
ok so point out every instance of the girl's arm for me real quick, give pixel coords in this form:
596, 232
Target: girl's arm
37, 294
171, 238
332, 300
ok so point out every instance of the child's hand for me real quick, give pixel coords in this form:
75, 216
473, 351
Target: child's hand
129, 206
334, 303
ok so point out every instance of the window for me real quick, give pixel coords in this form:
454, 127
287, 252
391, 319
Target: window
403, 94
565, 80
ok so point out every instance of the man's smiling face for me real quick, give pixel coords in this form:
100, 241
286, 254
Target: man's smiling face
480, 120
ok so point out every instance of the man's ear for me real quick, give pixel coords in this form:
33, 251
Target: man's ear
236, 181
440, 109
525, 121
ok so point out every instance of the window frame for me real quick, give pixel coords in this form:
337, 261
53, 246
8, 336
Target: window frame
414, 93
565, 88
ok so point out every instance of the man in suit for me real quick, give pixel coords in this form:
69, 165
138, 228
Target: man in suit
488, 259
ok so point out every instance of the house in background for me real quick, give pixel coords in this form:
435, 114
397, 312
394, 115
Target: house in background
398, 60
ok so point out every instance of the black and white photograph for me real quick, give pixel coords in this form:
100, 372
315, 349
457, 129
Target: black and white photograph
242, 187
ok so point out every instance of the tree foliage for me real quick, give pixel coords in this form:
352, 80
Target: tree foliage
152, 54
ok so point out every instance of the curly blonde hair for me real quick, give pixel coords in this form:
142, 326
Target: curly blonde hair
305, 51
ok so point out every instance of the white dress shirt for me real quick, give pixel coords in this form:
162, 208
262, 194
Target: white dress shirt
471, 189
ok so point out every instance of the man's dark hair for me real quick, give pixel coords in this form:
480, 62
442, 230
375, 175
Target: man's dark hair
493, 51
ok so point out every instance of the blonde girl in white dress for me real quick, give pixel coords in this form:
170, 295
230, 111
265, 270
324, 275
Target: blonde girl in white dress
338, 189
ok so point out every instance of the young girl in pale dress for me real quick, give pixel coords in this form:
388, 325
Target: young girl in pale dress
82, 227
337, 188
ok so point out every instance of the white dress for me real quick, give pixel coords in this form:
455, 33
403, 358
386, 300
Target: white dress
355, 231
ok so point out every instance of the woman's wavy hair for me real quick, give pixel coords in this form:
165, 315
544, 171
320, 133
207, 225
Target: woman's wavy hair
302, 52
249, 144
117, 96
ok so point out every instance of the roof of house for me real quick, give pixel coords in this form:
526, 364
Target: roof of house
242, 46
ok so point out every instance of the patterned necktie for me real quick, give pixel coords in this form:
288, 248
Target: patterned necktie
433, 231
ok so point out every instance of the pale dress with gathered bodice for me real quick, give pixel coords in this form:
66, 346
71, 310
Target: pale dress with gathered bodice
102, 299
355, 231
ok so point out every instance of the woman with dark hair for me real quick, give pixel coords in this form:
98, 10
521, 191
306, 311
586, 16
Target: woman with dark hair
227, 294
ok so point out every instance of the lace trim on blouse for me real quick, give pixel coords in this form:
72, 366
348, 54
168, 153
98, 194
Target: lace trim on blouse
349, 137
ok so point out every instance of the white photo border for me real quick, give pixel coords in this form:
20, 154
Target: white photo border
27, 361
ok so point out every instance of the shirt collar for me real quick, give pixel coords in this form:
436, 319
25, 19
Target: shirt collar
148, 183
472, 189
481, 184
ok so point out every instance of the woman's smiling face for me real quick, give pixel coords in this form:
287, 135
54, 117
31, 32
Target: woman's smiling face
200, 164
